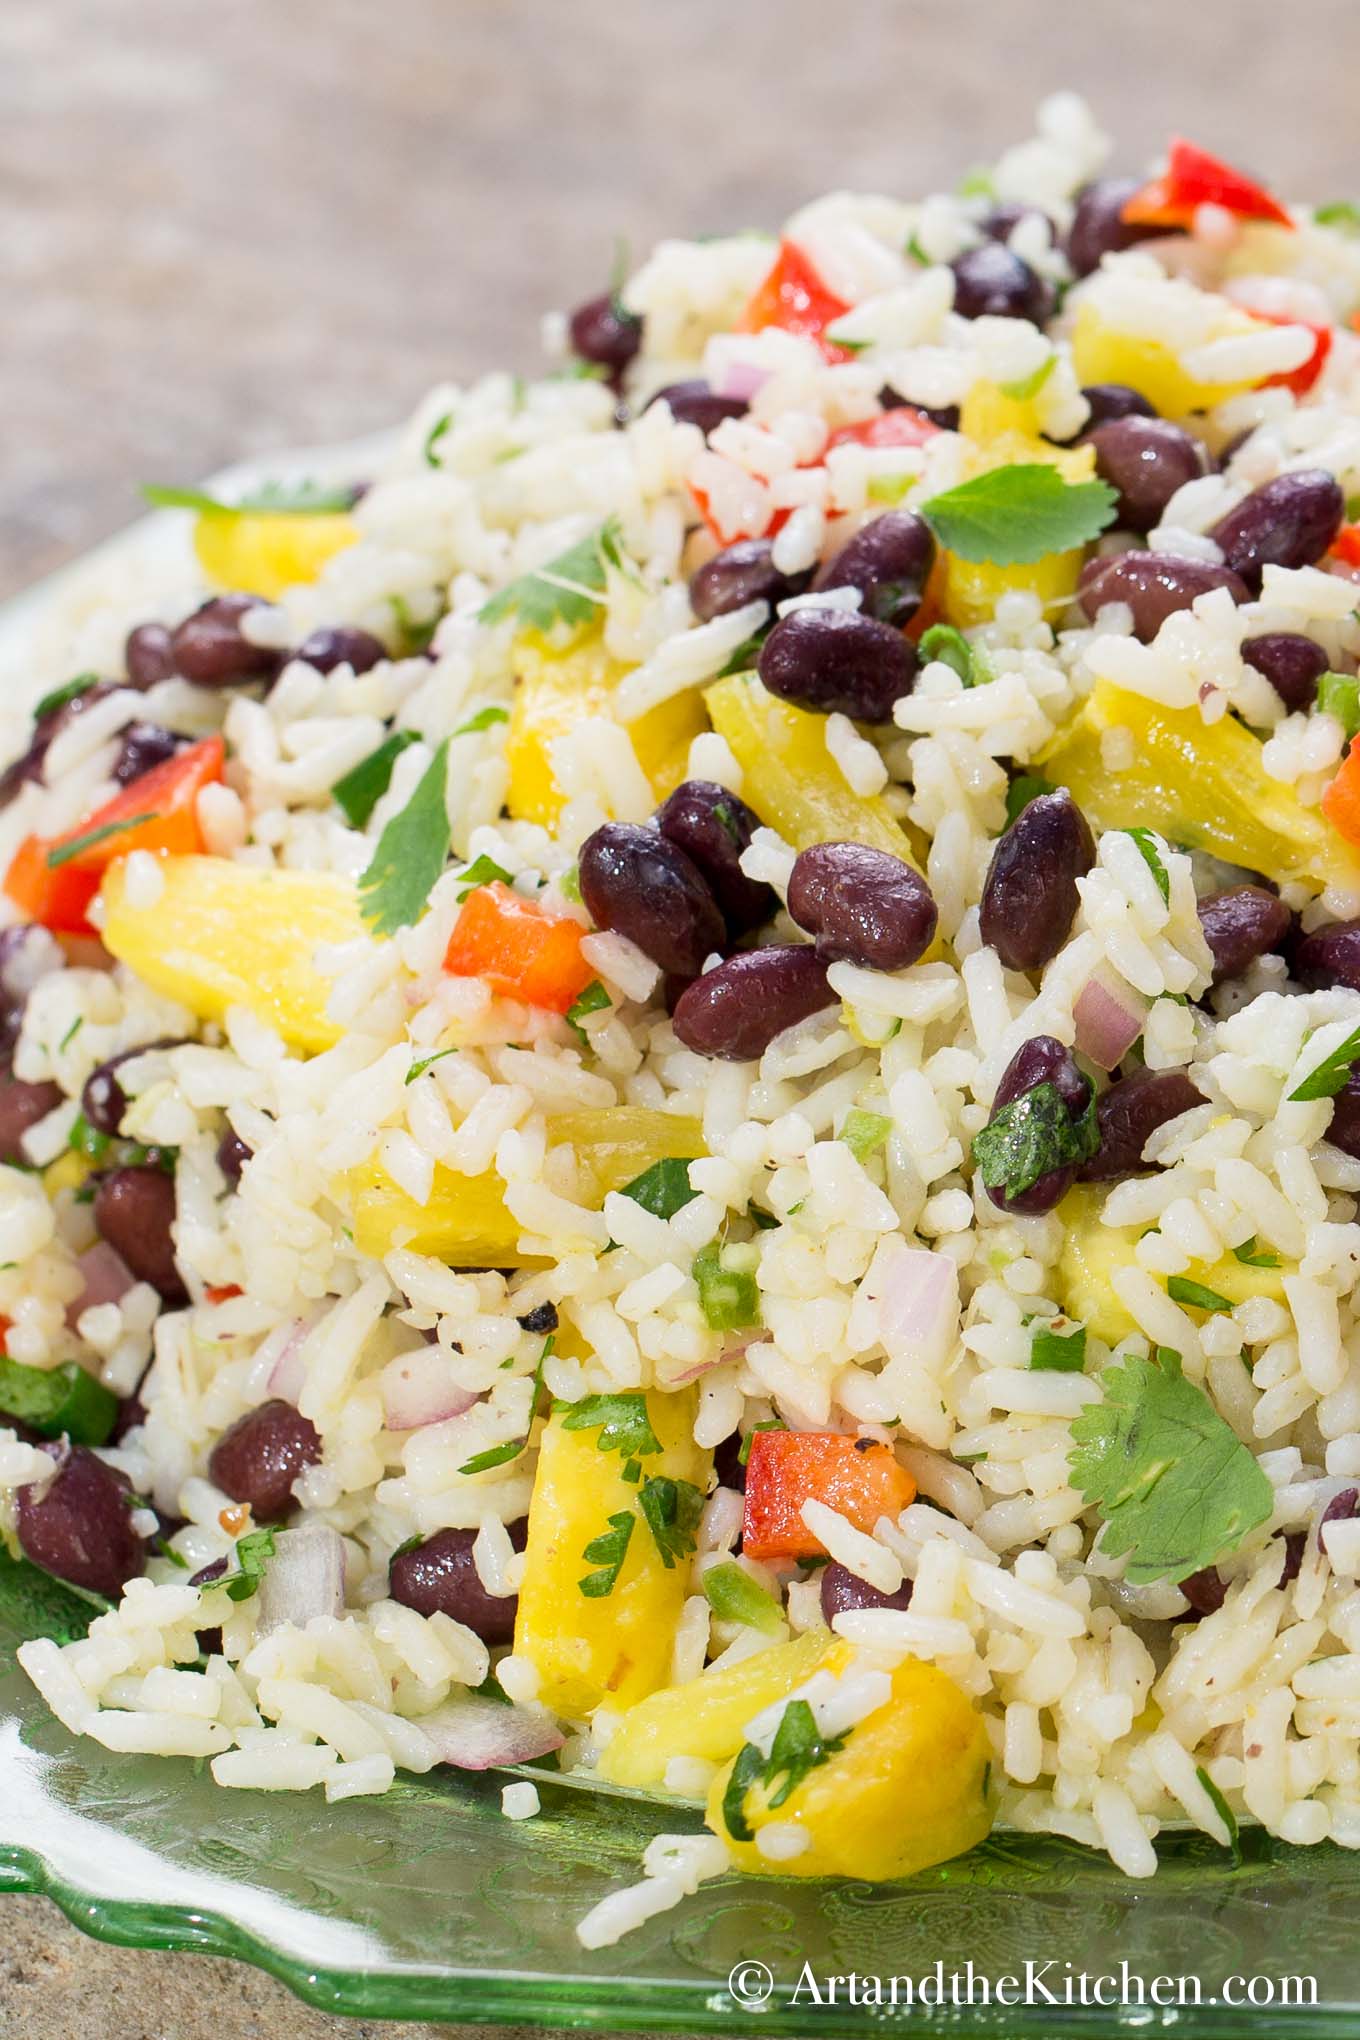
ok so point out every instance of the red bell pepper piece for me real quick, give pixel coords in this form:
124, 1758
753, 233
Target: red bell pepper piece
1341, 801
517, 949
858, 1477
53, 879
1194, 178
1346, 545
903, 426
1301, 379
794, 297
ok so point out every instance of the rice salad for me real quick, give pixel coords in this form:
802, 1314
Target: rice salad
683, 1096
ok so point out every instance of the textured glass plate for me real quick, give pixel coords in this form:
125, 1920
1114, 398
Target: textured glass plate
428, 1904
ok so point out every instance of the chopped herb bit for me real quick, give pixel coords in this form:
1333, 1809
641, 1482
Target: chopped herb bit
1251, 1256
624, 1427
746, 1771
1146, 844
432, 438
484, 719
1055, 1352
501, 1455
977, 183
1342, 214
1330, 1075
798, 1748
1013, 516
1030, 385
567, 590
62, 853
1030, 1136
1174, 1483
765, 1424
415, 637
864, 1132
427, 1062
1195, 1294
916, 251
277, 499
359, 790
951, 648
410, 855
1021, 791
412, 1543
483, 870
663, 1189
1224, 1812
763, 1221
728, 1294
671, 1510
1338, 694
59, 1402
72, 1031
252, 1554
734, 1597
743, 660
60, 696
607, 1553
594, 999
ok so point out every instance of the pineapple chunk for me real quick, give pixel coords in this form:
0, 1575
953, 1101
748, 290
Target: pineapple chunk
1102, 353
1201, 785
466, 1223
224, 934
974, 587
707, 1716
618, 1646
911, 1787
268, 551
1093, 1253
555, 690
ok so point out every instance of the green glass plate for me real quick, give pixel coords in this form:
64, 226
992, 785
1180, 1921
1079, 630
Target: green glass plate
428, 1904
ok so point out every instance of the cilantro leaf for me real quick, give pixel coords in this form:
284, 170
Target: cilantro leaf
1224, 1812
501, 1455
295, 499
1028, 386
1146, 844
1021, 791
1030, 1136
663, 1189
798, 1748
252, 1553
1251, 1256
671, 1510
623, 1424
568, 589
1195, 1294
1012, 516
728, 1294
864, 1132
411, 854
1055, 1352
745, 1772
483, 870
357, 792
1173, 1482
607, 1552
952, 648
594, 999
60, 696
1331, 1074
62, 853
483, 719
734, 1597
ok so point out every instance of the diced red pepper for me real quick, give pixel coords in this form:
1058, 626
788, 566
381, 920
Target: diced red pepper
222, 1292
157, 812
517, 949
1301, 379
1341, 801
776, 522
1346, 545
858, 1477
794, 297
903, 426
1194, 178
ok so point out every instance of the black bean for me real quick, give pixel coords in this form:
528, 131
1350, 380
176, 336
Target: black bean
102, 1099
603, 332
1001, 222
1329, 956
1145, 461
1110, 400
889, 561
1342, 1508
843, 1590
1292, 663
542, 1318
993, 281
727, 1463
713, 827
440, 1577
1241, 923
30, 765
1154, 585
21, 1106
1030, 898
1097, 225
342, 645
638, 883
1288, 522
79, 1525
740, 573
134, 1210
837, 660
232, 1156
258, 1459
1041, 1060
736, 1009
1344, 1130
698, 403
209, 649
1128, 1114
946, 416
863, 906
1294, 1542
1204, 1591
144, 745
147, 655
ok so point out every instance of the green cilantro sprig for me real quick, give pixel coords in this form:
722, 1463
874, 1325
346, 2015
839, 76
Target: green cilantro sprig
483, 870
501, 1455
1012, 516
671, 1510
410, 855
623, 1424
1055, 1352
357, 792
1032, 1135
663, 1189
567, 590
1146, 845
253, 1553
799, 1748
1331, 1074
607, 1553
295, 499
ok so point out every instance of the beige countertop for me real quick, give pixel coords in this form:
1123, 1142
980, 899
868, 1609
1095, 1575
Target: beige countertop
226, 229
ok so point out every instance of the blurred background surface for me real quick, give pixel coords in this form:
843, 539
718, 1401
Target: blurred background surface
227, 229
235, 228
